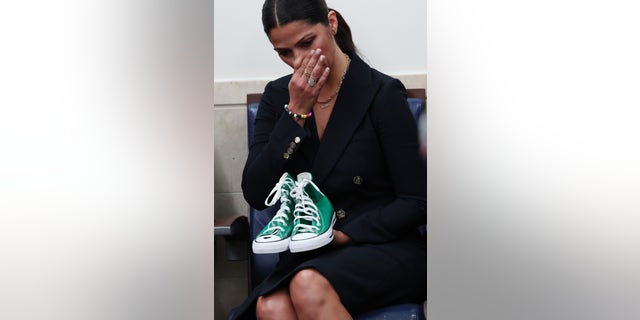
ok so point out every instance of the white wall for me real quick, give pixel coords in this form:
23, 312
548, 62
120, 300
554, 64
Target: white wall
391, 36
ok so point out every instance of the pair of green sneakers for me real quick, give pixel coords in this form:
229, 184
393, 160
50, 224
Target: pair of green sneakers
304, 220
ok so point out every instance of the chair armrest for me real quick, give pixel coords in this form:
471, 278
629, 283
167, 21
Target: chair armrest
231, 227
235, 231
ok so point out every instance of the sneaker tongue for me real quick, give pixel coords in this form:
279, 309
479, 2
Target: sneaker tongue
304, 175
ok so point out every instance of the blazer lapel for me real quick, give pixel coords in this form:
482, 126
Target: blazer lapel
353, 102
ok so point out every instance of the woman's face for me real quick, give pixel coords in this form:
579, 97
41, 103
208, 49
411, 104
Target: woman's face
294, 40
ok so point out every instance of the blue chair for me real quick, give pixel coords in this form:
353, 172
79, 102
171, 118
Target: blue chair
260, 265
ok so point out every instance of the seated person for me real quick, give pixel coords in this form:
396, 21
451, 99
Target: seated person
346, 129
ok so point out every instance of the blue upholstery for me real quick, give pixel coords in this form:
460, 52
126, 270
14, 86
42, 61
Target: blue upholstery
407, 311
416, 106
260, 265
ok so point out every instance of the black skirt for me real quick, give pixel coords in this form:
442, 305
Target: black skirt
365, 276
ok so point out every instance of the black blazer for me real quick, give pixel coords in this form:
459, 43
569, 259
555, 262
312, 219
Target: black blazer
368, 161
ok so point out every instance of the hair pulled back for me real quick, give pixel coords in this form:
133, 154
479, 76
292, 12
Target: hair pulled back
276, 13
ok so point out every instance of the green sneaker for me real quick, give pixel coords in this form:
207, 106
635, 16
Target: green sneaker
313, 216
274, 237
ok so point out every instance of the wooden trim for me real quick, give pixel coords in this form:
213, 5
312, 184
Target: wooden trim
253, 98
418, 93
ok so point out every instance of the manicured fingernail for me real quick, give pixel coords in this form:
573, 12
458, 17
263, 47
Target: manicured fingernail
322, 58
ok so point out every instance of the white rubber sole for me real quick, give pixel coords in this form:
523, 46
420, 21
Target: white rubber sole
313, 242
270, 246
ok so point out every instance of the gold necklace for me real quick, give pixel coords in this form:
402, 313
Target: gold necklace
324, 104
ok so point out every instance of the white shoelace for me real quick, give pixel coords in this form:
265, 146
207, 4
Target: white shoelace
278, 220
282, 215
305, 209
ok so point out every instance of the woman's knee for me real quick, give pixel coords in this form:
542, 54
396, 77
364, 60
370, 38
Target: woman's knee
309, 287
274, 306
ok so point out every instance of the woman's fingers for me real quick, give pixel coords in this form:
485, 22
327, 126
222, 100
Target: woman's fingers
311, 64
340, 238
302, 74
322, 79
317, 60
308, 79
315, 70
301, 68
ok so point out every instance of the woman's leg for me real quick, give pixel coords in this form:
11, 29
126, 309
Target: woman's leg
313, 297
276, 305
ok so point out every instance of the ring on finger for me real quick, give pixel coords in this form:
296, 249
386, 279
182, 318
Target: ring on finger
311, 82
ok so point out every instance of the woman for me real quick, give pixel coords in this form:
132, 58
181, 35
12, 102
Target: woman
349, 126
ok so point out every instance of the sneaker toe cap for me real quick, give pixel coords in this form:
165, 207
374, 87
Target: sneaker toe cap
303, 236
268, 238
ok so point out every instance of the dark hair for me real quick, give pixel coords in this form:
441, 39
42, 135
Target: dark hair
277, 13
